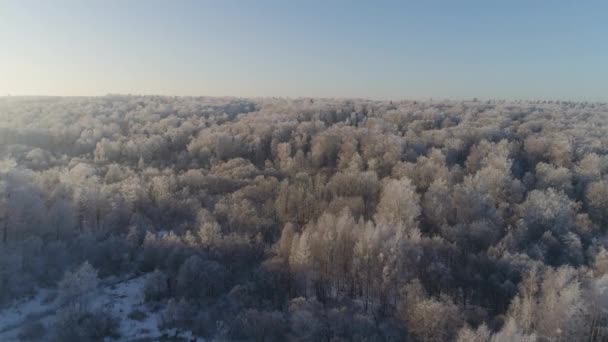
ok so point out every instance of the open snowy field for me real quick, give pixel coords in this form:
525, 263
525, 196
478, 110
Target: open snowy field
122, 298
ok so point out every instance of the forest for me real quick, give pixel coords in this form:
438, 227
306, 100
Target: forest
304, 219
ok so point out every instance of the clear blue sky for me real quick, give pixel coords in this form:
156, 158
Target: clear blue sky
379, 49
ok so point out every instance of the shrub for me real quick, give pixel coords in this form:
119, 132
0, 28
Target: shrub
137, 315
260, 326
156, 286
77, 326
32, 331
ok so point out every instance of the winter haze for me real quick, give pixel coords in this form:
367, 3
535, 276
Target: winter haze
303, 171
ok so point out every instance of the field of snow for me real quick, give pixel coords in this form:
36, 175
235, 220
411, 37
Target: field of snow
120, 297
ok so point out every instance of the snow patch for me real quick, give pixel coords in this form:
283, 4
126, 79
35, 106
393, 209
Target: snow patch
120, 298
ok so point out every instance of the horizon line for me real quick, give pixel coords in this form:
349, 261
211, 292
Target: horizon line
288, 97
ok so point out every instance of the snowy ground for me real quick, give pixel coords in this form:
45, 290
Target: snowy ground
119, 297
35, 309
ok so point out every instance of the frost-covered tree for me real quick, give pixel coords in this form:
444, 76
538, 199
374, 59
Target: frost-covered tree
198, 278
77, 288
398, 205
551, 304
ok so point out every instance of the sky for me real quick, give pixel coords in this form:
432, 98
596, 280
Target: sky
373, 49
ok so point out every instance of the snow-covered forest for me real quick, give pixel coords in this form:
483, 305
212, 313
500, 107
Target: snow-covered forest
232, 219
